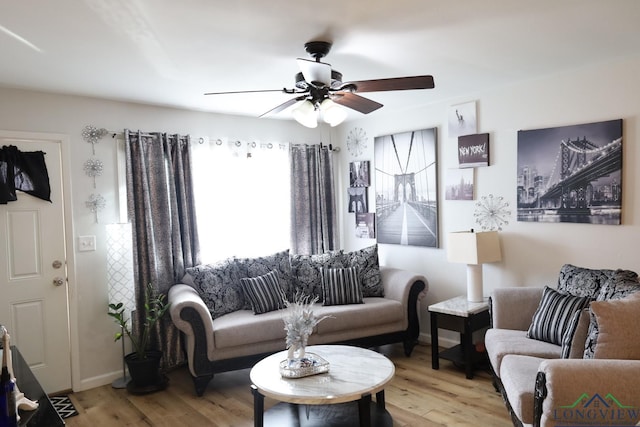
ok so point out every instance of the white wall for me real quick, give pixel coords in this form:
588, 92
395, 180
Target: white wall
532, 252
99, 357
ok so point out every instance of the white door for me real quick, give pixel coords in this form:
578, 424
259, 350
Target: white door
33, 274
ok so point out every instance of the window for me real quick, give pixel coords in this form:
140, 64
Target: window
242, 198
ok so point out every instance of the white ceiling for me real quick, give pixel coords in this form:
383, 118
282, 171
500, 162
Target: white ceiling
168, 52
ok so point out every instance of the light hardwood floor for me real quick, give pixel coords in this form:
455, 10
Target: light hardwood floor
417, 396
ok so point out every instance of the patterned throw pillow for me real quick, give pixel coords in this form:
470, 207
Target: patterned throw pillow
367, 262
258, 266
341, 286
263, 292
620, 286
553, 315
305, 270
581, 282
219, 286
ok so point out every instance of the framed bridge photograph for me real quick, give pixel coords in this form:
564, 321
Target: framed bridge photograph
571, 174
406, 188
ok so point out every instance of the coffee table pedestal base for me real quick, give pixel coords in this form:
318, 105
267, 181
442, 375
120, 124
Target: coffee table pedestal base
339, 415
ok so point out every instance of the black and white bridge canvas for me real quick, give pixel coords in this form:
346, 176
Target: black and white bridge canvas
571, 173
407, 188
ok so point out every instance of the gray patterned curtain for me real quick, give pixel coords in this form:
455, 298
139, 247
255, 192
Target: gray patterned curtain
314, 224
162, 213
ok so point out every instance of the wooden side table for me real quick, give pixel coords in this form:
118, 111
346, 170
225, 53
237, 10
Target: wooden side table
458, 314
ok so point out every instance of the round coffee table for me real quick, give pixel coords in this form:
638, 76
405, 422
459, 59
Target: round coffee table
327, 399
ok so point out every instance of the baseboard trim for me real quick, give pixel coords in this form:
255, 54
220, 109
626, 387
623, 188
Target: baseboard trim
97, 381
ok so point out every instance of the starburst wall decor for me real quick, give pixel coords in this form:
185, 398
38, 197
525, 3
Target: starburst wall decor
492, 213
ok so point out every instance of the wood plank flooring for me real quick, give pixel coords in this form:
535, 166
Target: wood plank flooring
417, 396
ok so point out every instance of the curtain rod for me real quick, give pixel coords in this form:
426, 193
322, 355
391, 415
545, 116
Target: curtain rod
218, 141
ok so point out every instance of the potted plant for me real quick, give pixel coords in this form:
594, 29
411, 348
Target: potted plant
143, 363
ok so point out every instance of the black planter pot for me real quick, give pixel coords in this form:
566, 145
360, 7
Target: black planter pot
145, 373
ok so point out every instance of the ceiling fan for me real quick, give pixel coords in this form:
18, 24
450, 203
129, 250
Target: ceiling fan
320, 88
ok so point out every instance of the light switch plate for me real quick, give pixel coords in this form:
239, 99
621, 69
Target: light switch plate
86, 243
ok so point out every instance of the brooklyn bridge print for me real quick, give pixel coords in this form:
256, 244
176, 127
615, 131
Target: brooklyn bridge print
571, 174
406, 188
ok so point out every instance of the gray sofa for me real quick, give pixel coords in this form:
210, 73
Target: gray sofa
222, 333
586, 369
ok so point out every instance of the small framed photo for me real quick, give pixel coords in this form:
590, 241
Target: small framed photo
473, 150
461, 119
459, 184
365, 225
358, 199
359, 174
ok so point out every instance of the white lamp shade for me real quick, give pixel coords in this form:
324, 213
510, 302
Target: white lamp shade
468, 247
332, 113
305, 114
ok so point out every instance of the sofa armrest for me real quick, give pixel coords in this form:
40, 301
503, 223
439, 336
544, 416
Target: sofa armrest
191, 316
565, 389
513, 308
408, 288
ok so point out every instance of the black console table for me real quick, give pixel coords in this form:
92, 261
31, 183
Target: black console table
46, 415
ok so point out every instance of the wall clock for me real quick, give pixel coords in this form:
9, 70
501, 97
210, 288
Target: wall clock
356, 141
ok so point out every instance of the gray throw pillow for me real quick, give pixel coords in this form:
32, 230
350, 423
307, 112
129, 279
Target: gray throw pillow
341, 286
553, 316
259, 266
263, 292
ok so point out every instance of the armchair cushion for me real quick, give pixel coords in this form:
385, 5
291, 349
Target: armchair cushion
621, 286
553, 316
617, 337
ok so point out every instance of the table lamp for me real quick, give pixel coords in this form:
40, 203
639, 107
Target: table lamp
474, 249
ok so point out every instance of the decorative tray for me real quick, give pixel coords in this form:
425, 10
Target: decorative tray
310, 364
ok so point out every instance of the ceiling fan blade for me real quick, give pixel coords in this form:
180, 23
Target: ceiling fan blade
315, 72
356, 102
397, 83
283, 106
285, 90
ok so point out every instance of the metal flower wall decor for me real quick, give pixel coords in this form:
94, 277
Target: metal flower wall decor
492, 213
93, 135
95, 204
93, 168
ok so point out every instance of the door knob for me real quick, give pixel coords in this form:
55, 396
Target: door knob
58, 281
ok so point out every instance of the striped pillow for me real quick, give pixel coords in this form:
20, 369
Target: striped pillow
263, 292
553, 315
341, 286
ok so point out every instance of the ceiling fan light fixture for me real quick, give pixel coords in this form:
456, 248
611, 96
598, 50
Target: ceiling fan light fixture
332, 113
305, 114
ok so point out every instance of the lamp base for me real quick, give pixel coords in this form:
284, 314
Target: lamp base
474, 283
